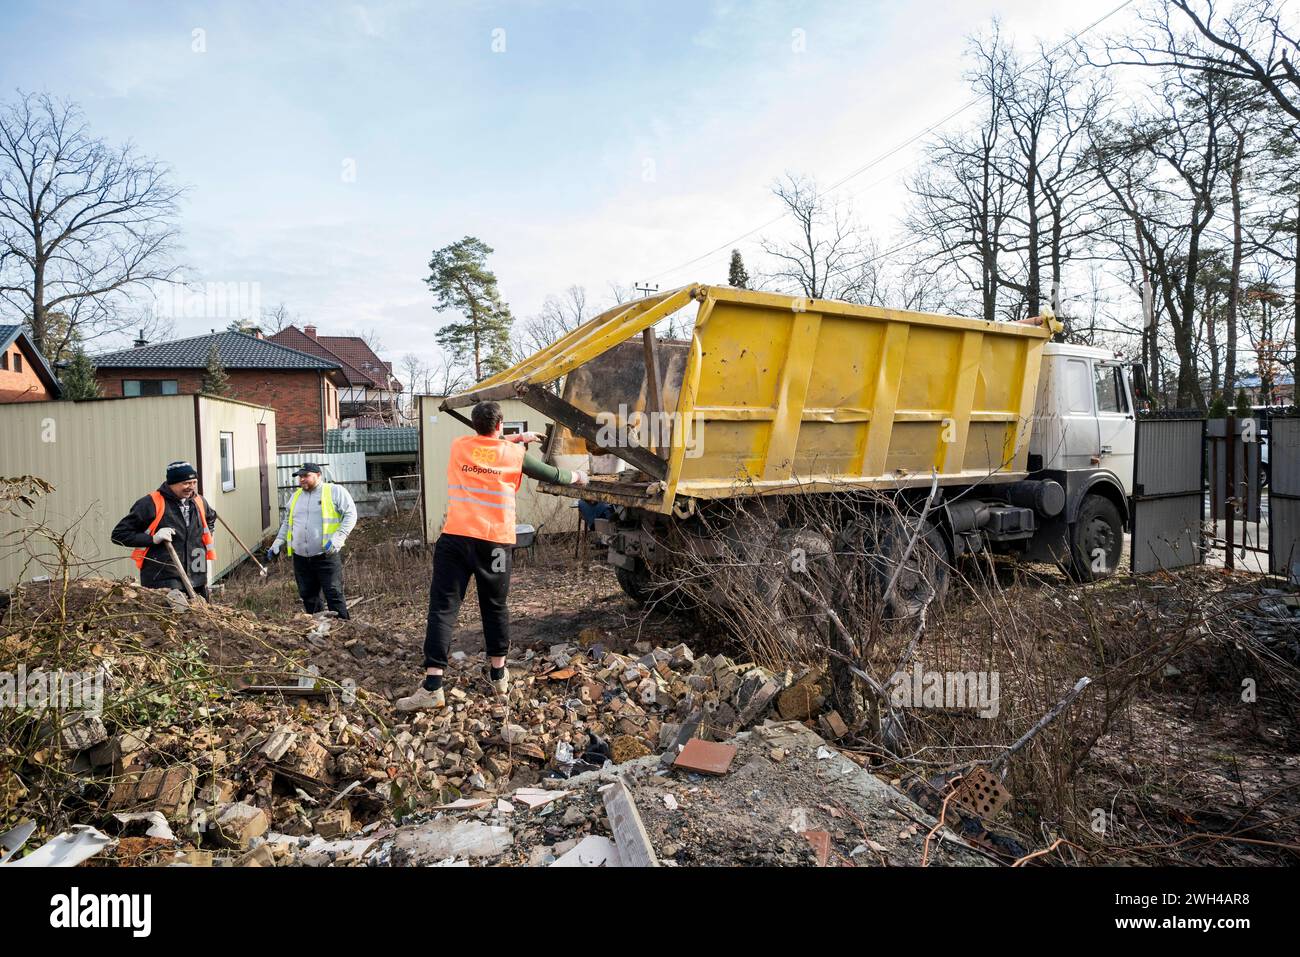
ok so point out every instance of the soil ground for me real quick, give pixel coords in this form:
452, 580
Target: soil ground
1183, 774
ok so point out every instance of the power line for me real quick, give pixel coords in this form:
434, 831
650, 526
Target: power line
1074, 38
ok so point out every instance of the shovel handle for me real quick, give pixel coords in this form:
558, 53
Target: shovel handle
185, 579
238, 541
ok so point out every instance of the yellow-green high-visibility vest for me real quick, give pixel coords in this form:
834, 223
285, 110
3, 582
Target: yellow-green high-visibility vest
330, 517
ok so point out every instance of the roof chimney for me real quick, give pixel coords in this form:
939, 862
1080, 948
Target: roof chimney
140, 341
310, 330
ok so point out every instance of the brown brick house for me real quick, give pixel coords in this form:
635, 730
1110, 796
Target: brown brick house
25, 376
303, 389
371, 397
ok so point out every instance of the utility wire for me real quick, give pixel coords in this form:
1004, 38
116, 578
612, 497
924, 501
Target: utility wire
875, 161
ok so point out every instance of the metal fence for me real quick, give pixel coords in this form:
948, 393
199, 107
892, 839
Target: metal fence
341, 467
1284, 498
1168, 495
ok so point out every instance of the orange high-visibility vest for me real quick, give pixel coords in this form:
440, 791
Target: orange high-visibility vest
137, 556
483, 475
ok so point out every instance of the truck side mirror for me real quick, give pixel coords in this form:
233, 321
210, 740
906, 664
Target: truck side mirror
1140, 390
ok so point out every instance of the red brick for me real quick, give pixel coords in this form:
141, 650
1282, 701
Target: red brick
294, 394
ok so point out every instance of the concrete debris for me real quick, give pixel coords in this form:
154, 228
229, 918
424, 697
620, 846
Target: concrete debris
158, 826
79, 843
537, 797
591, 851
12, 840
237, 824
224, 771
334, 823
440, 839
83, 731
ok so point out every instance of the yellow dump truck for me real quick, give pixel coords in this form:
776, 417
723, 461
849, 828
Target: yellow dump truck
1018, 443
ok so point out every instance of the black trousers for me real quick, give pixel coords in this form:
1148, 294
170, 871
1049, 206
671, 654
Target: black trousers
321, 573
457, 558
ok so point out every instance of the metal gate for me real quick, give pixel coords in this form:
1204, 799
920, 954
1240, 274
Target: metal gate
1284, 499
1168, 494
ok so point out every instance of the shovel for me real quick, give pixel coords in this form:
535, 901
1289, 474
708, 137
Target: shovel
260, 567
185, 579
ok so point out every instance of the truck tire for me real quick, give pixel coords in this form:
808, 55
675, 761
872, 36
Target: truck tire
927, 568
870, 550
1096, 540
639, 585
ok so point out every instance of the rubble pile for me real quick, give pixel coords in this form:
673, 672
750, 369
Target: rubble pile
218, 728
788, 800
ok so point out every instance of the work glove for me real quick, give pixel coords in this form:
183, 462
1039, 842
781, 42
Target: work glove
528, 437
163, 535
274, 549
332, 545
580, 477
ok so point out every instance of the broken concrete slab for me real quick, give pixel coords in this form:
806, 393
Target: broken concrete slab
592, 851
443, 838
334, 823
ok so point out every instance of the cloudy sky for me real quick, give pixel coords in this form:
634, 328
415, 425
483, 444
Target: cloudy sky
330, 148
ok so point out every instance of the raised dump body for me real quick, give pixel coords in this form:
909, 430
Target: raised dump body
775, 394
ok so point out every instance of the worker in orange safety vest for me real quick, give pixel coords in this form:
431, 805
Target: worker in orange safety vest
484, 471
174, 512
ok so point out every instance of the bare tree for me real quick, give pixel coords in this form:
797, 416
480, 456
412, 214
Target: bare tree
1049, 110
1250, 42
1275, 228
961, 204
445, 376
1165, 172
83, 226
831, 257
275, 319
416, 371
559, 316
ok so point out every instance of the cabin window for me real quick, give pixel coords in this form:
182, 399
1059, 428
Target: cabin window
227, 461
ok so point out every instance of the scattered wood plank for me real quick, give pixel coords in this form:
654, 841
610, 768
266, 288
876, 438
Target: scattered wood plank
634, 847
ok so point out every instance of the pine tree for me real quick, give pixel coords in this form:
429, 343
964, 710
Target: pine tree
1243, 409
78, 380
215, 380
459, 277
737, 275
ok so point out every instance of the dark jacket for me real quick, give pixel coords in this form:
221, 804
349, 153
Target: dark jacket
158, 570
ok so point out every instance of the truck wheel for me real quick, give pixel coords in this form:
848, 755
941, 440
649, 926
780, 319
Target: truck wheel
1096, 540
869, 550
639, 585
926, 570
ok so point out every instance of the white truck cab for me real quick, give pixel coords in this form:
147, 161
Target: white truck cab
1084, 416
